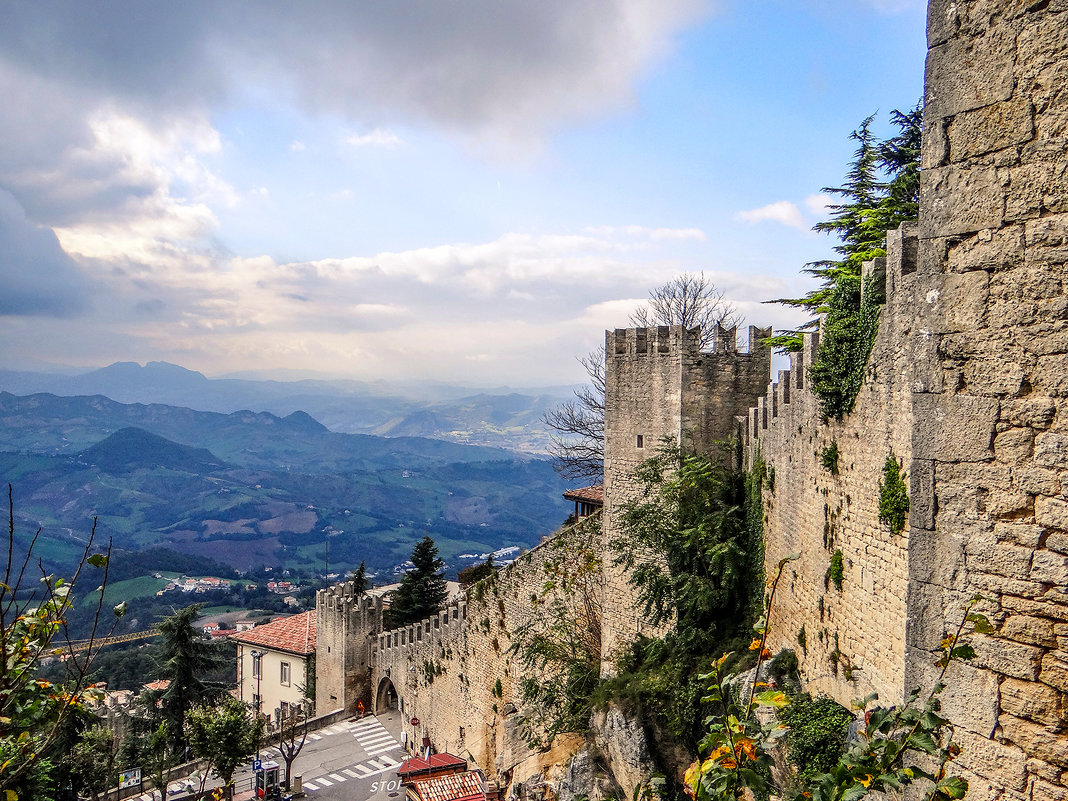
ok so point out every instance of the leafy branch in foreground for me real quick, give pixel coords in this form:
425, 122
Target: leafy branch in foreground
33, 625
894, 746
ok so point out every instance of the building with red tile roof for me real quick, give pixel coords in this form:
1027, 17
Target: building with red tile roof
468, 786
273, 662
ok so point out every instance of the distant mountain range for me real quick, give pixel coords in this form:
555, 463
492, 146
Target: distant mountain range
251, 488
498, 418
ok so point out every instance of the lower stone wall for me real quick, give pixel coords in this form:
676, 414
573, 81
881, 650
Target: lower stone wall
457, 676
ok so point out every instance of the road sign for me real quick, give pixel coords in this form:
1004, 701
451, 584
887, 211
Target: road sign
257, 764
129, 778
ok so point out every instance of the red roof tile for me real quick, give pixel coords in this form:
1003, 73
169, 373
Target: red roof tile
458, 787
436, 762
591, 494
295, 634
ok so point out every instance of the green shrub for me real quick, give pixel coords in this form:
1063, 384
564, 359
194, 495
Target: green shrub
829, 458
816, 738
836, 570
893, 496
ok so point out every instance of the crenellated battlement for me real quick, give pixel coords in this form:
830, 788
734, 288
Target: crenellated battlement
451, 618
673, 341
892, 276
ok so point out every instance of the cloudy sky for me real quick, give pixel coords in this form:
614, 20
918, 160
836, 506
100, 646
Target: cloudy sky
462, 190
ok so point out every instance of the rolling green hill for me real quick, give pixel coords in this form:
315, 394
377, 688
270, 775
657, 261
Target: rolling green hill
251, 489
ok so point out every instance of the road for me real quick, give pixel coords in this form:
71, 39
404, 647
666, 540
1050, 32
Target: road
351, 760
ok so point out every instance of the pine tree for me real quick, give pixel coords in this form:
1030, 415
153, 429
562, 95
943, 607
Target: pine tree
422, 591
880, 191
185, 657
359, 579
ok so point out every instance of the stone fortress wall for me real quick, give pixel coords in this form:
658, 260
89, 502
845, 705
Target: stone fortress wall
659, 384
859, 631
966, 386
456, 675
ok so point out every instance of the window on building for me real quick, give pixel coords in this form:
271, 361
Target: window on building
256, 666
641, 441
285, 673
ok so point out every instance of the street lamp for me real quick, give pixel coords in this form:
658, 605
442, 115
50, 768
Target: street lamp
257, 668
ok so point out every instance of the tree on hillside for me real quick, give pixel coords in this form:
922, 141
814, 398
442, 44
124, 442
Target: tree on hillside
359, 579
690, 300
186, 656
92, 761
422, 591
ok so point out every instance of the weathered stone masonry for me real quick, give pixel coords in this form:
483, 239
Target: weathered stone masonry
658, 383
967, 385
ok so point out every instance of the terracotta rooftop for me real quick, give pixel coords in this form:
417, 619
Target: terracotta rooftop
157, 686
435, 763
294, 634
592, 494
458, 787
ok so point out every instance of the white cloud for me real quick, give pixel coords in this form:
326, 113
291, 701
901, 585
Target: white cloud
782, 211
296, 146
376, 138
818, 204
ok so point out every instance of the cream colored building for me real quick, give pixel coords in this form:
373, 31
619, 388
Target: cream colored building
274, 663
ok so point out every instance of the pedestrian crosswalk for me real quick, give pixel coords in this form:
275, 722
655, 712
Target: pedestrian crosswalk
372, 767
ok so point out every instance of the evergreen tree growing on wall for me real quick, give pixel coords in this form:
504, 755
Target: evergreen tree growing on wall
422, 591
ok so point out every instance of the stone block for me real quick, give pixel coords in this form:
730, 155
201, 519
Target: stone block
994, 127
1036, 412
1030, 630
1006, 657
961, 201
1034, 188
964, 298
1051, 513
1057, 541
1044, 791
1051, 450
987, 250
1037, 481
1047, 240
992, 759
921, 494
986, 555
970, 699
963, 74
1015, 445
1036, 740
1050, 567
955, 428
1025, 534
1055, 670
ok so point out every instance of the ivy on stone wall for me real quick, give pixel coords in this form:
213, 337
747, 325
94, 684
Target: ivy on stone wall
893, 496
846, 341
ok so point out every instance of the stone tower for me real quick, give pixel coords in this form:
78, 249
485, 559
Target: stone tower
659, 383
346, 627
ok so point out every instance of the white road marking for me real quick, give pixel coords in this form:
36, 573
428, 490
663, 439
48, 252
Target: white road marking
338, 777
393, 747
